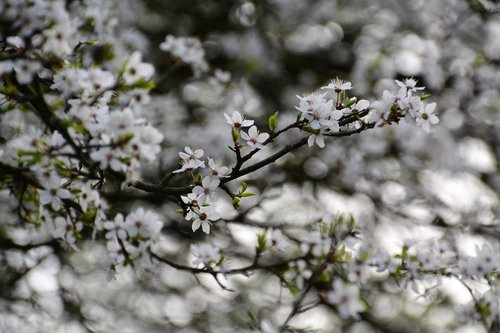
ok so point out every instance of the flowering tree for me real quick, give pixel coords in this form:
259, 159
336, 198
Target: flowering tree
137, 154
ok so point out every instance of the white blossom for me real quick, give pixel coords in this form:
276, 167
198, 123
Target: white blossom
203, 217
237, 120
254, 138
53, 193
298, 272
338, 85
346, 298
217, 170
188, 49
136, 70
205, 254
426, 118
116, 228
409, 86
143, 223
207, 191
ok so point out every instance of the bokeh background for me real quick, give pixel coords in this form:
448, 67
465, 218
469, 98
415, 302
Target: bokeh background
399, 182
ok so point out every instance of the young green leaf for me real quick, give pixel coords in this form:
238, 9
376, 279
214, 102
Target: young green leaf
273, 121
235, 134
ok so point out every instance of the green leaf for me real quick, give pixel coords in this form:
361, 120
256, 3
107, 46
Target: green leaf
244, 187
261, 241
299, 116
247, 194
88, 216
91, 42
273, 121
342, 95
293, 288
218, 263
404, 252
235, 134
58, 103
311, 130
121, 71
127, 137
424, 97
351, 101
253, 321
141, 84
66, 122
236, 202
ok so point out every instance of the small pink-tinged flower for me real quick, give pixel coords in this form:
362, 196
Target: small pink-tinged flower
338, 85
143, 223
53, 194
116, 228
408, 86
208, 189
346, 298
205, 254
317, 138
426, 118
190, 159
311, 102
191, 154
204, 216
237, 120
298, 272
254, 138
191, 199
216, 169
136, 70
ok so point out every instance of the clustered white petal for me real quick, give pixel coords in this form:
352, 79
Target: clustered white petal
405, 102
131, 236
323, 115
205, 254
198, 203
237, 120
254, 138
188, 49
190, 160
346, 298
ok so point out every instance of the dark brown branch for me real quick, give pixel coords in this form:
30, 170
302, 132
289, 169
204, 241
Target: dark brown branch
269, 140
297, 305
40, 106
239, 173
266, 161
22, 174
242, 270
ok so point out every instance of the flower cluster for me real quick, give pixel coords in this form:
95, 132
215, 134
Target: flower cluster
130, 238
403, 102
323, 115
85, 120
93, 115
64, 213
298, 272
115, 138
205, 254
346, 298
486, 307
483, 265
86, 83
129, 141
253, 137
190, 160
188, 50
198, 209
